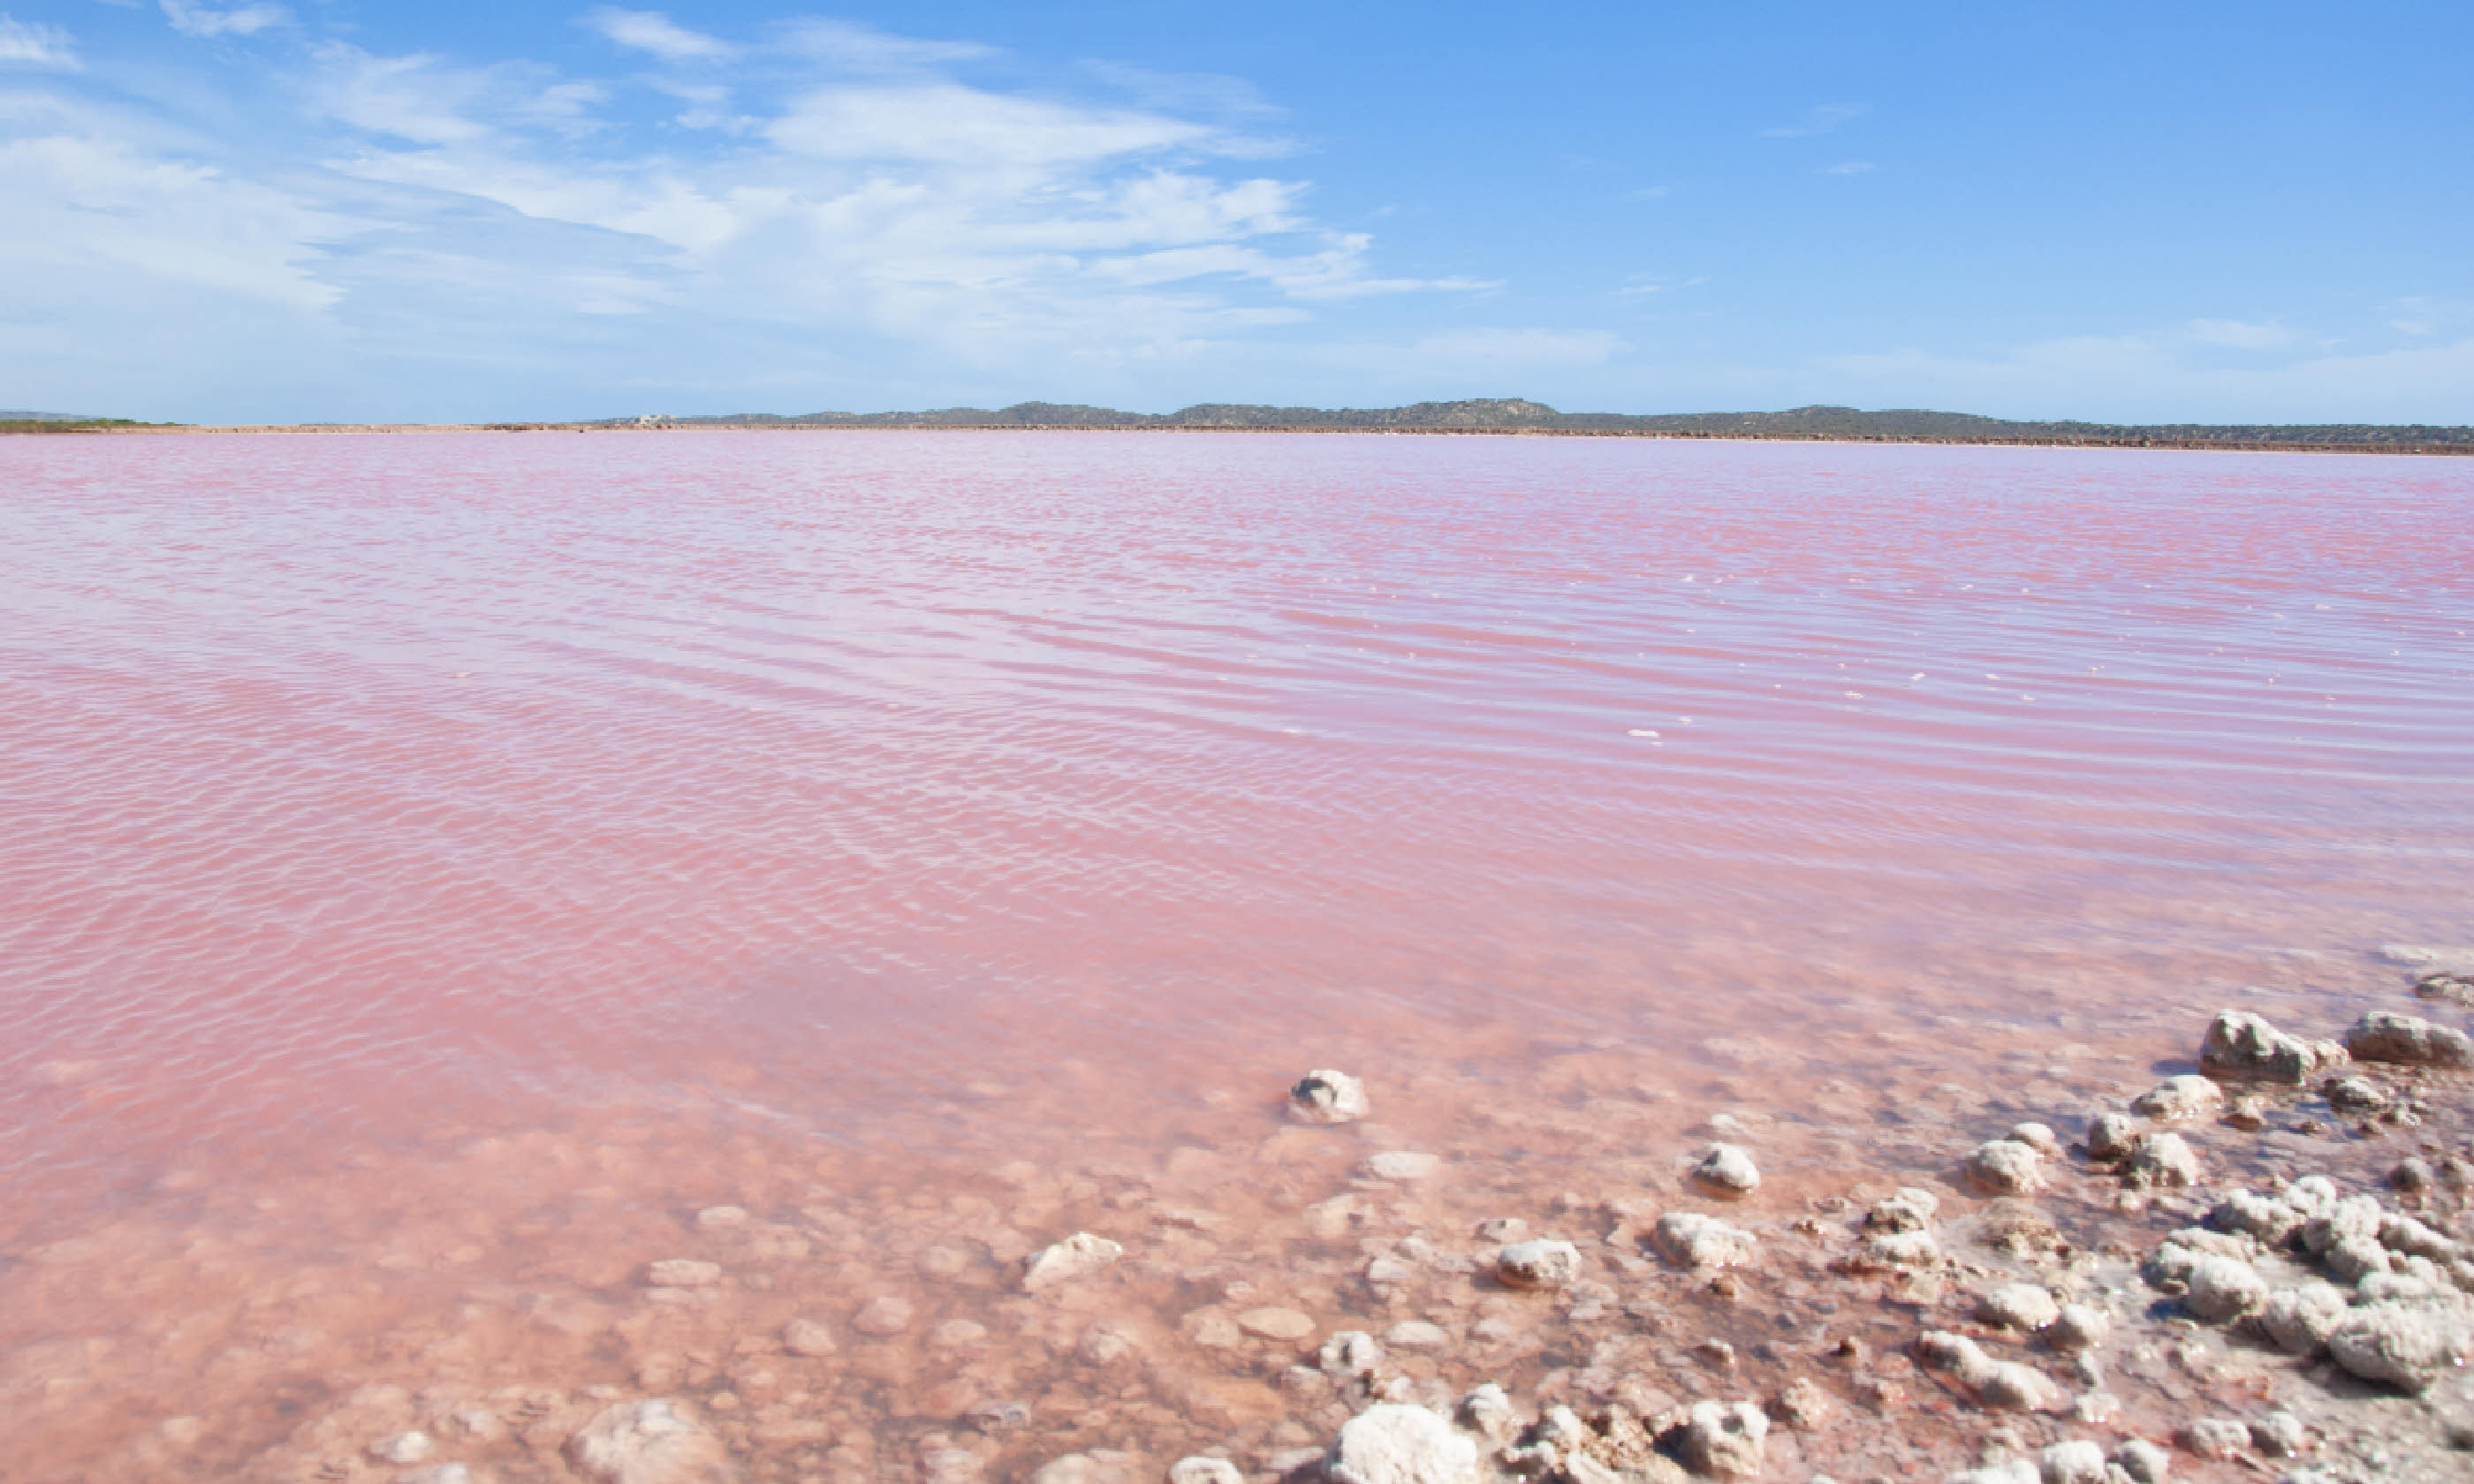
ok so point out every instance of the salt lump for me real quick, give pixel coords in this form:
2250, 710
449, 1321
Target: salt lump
648, 1442
2077, 1327
2298, 1321
884, 1315
2220, 1289
1350, 1353
2113, 1137
2162, 1159
1325, 1096
2384, 1036
1077, 1257
1690, 1239
1998, 1386
1907, 1208
2006, 1168
1728, 1170
2181, 1099
405, 1447
1402, 1164
2025, 1306
1538, 1264
2405, 1346
1396, 1443
2076, 1462
1725, 1440
2037, 1136
2240, 1045
2144, 1461
1902, 1224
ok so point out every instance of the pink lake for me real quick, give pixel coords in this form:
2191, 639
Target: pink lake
925, 795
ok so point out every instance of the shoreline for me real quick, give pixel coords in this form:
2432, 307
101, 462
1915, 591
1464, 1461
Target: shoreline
2192, 445
1560, 1281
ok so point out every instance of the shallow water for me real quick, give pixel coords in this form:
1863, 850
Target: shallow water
922, 802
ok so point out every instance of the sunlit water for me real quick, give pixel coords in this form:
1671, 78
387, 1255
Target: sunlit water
935, 797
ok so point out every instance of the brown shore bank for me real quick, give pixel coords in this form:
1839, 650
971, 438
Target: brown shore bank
2246, 1253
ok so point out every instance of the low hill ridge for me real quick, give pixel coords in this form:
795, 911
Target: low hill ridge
1815, 422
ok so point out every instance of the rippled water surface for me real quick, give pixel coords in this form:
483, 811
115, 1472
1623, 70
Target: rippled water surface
853, 785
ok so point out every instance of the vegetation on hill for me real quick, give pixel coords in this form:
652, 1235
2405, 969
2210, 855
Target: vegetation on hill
55, 423
1838, 422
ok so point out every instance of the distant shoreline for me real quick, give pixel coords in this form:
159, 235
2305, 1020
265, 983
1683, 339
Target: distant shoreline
2190, 445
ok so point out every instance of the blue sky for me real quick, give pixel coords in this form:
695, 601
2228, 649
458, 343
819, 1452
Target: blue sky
341, 209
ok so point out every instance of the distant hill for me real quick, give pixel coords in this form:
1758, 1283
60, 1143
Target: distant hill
64, 423
1515, 413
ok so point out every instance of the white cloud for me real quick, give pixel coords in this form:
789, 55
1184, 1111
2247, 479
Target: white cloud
198, 20
920, 208
2240, 335
1336, 271
25, 45
946, 123
865, 49
1852, 167
423, 99
709, 106
511, 213
83, 192
1644, 285
1185, 93
651, 31
2166, 376
2424, 318
1822, 119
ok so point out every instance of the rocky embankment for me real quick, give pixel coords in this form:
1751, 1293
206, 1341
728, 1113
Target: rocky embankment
2259, 1267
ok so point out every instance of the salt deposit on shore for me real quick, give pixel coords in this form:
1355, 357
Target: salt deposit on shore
2087, 1275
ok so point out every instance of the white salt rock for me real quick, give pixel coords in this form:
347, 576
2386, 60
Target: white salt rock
1325, 1096
655, 1442
1397, 1444
1077, 1257
1402, 1164
403, 1448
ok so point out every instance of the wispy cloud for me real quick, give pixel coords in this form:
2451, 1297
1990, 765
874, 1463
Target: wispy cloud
430, 101
31, 45
1647, 285
1203, 93
1850, 167
103, 205
2422, 316
198, 20
651, 31
948, 123
858, 200
861, 48
1822, 119
2240, 335
2171, 374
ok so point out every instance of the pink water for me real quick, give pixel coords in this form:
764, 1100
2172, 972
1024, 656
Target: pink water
357, 787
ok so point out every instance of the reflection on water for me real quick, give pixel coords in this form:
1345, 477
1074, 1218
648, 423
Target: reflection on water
440, 865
